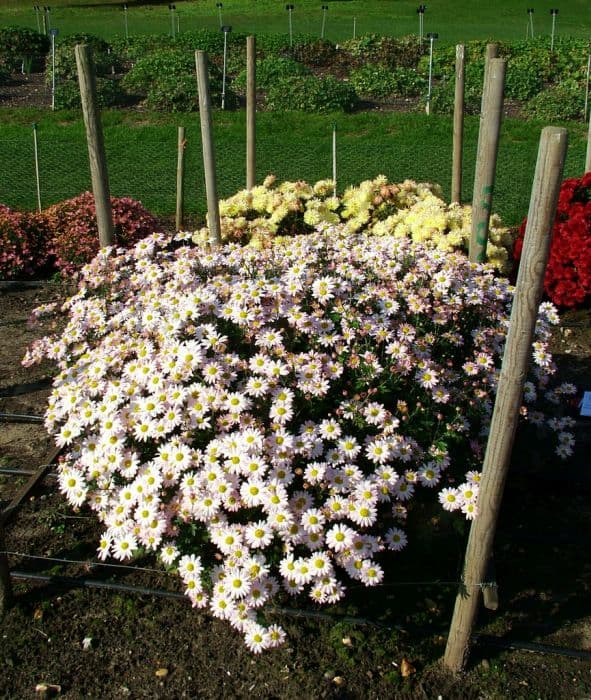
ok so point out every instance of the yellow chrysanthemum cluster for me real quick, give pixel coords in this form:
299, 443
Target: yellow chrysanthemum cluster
408, 209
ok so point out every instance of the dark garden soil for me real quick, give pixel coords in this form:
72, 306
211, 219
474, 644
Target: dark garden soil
89, 642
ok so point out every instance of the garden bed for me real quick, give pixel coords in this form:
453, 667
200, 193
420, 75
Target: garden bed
148, 646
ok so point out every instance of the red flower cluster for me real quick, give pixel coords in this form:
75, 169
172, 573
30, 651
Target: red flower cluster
65, 236
75, 230
568, 275
24, 243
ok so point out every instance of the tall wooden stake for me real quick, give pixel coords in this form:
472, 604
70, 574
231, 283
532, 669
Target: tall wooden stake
486, 158
96, 145
251, 105
180, 178
213, 211
458, 133
528, 294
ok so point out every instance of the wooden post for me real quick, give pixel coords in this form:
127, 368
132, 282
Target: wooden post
180, 178
458, 129
486, 157
213, 211
5, 585
96, 145
251, 108
528, 294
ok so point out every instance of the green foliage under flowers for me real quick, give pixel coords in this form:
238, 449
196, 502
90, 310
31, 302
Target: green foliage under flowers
18, 43
376, 80
311, 94
268, 71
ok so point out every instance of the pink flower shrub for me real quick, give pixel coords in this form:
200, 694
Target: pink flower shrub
75, 231
263, 420
24, 243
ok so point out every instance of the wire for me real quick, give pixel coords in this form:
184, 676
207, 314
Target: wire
87, 563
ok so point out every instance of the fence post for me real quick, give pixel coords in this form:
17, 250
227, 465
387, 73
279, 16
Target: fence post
213, 211
96, 145
528, 294
180, 178
458, 128
251, 107
486, 157
5, 585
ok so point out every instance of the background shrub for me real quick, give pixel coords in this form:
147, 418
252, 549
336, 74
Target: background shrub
24, 243
166, 81
311, 94
377, 80
18, 43
108, 92
561, 102
103, 58
268, 71
74, 229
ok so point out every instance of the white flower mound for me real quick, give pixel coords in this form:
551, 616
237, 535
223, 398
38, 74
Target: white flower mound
274, 411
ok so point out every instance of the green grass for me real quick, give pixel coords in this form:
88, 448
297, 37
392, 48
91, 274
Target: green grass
141, 153
460, 20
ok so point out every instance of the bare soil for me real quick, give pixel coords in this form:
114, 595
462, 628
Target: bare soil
147, 646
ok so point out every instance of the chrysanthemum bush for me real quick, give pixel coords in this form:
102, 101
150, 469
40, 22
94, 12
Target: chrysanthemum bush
568, 275
407, 209
75, 239
264, 419
64, 236
25, 243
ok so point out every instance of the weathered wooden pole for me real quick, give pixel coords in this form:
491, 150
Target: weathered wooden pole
251, 108
180, 178
528, 294
486, 157
458, 128
213, 211
96, 145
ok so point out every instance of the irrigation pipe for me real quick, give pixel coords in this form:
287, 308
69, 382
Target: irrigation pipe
20, 418
481, 640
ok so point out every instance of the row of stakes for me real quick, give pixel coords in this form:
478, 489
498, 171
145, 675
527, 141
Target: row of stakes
43, 18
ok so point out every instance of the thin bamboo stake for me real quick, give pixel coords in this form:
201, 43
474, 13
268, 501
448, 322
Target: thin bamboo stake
458, 128
213, 211
528, 294
180, 178
251, 103
588, 154
96, 145
37, 177
486, 158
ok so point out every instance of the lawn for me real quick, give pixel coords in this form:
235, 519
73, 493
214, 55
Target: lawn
453, 21
141, 152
